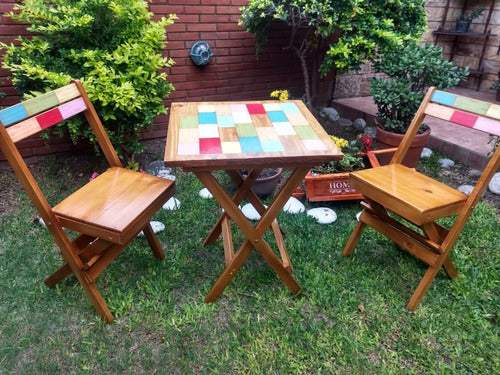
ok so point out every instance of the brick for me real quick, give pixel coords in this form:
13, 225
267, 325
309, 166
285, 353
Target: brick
215, 18
223, 9
199, 9
202, 27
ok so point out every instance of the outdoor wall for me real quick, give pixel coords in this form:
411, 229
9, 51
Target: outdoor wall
468, 50
234, 73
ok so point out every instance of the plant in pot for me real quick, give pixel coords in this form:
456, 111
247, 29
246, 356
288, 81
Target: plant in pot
409, 72
330, 181
464, 19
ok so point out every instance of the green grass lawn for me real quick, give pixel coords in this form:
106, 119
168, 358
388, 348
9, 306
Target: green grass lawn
350, 318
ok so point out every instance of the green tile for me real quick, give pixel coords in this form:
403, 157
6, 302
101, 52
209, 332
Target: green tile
41, 103
474, 106
189, 122
246, 130
305, 132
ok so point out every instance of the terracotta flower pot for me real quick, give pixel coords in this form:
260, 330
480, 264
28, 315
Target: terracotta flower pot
386, 139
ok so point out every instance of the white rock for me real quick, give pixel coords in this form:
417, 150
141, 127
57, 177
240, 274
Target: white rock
446, 163
157, 226
466, 189
426, 153
358, 215
172, 204
166, 175
323, 215
156, 166
294, 206
331, 113
345, 122
371, 131
250, 212
205, 194
494, 185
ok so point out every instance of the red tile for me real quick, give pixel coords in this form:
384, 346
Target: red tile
210, 146
256, 109
463, 118
49, 118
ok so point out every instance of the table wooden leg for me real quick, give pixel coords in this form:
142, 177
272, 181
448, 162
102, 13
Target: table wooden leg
254, 234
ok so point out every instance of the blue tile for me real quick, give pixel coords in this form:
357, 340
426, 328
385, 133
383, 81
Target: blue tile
13, 114
277, 116
225, 121
207, 118
289, 107
443, 98
250, 144
272, 146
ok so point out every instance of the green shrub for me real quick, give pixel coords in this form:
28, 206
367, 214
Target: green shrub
354, 31
411, 71
113, 47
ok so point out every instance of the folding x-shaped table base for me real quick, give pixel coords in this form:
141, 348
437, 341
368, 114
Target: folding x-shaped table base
253, 233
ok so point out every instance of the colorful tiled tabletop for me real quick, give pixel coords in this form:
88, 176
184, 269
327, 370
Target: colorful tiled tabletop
221, 134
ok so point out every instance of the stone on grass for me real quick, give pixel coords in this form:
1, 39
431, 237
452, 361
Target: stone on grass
157, 226
250, 212
359, 124
494, 185
331, 113
358, 215
345, 122
446, 163
205, 194
155, 166
323, 215
466, 189
426, 153
166, 173
172, 204
294, 206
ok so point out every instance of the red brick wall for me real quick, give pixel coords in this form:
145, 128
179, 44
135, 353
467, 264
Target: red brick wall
235, 72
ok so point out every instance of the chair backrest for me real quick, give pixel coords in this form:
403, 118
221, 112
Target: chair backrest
32, 116
464, 111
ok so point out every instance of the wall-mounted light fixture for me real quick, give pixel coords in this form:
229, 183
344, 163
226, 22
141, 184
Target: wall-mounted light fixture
201, 53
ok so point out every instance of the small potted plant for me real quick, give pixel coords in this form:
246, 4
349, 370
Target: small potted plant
330, 181
409, 72
464, 20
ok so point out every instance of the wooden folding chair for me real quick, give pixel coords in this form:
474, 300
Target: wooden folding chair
395, 191
108, 212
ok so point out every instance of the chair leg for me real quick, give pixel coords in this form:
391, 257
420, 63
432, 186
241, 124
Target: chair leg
97, 300
423, 287
450, 268
59, 275
354, 239
153, 242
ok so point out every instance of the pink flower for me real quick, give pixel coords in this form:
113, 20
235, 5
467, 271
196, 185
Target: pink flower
94, 175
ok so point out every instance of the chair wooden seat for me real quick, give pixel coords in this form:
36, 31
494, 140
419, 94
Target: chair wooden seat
108, 212
396, 196
115, 205
408, 193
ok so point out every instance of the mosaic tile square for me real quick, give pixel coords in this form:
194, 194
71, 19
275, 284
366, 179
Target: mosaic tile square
231, 147
305, 132
250, 144
241, 118
289, 108
225, 121
210, 146
188, 149
246, 130
314, 144
207, 118
277, 116
272, 146
188, 122
284, 128
209, 131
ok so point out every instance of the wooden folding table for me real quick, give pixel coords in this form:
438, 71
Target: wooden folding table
230, 136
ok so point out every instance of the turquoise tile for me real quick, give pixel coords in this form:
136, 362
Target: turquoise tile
207, 118
289, 108
443, 98
13, 114
225, 121
277, 116
272, 146
250, 144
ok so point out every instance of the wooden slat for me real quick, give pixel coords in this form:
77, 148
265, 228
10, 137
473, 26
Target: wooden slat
67, 93
40, 103
24, 129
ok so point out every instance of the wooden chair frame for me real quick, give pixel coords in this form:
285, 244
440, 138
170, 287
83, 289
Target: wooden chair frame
390, 191
102, 238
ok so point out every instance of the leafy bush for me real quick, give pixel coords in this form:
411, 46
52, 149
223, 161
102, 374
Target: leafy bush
113, 47
411, 71
353, 31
